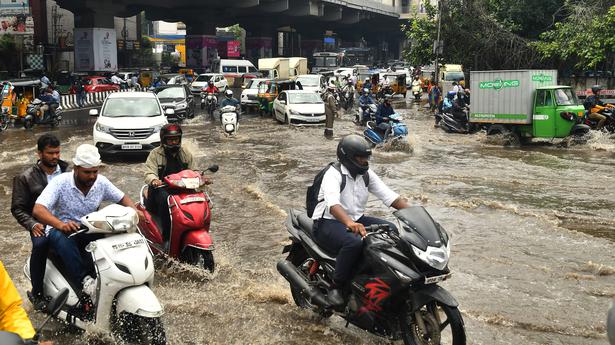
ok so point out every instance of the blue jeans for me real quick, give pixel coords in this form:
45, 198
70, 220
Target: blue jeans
38, 262
346, 246
81, 99
71, 251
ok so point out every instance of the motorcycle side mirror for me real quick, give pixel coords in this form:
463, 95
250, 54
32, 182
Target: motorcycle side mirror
54, 307
213, 168
93, 112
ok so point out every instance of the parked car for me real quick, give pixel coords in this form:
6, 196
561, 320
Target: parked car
249, 95
294, 106
201, 81
312, 82
174, 79
99, 84
177, 97
129, 122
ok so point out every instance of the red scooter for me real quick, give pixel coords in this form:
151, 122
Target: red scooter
190, 210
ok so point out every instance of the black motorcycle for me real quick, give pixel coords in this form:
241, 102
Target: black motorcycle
609, 124
394, 291
456, 123
35, 115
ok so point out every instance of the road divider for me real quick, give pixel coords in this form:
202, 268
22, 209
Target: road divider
92, 99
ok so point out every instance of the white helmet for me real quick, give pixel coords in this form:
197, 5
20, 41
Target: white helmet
228, 93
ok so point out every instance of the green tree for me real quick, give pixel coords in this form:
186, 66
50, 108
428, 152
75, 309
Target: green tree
421, 34
586, 37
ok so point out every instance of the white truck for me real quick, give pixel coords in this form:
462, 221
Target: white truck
274, 68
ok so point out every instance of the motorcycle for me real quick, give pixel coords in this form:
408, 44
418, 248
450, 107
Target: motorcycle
394, 292
210, 101
417, 91
123, 302
377, 136
609, 124
190, 210
228, 118
450, 124
53, 308
346, 96
366, 113
35, 115
5, 120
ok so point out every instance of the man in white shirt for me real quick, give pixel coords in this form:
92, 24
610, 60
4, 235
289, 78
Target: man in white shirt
339, 219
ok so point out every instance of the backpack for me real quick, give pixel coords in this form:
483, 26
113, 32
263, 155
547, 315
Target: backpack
311, 196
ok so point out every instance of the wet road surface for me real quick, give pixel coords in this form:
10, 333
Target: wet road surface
533, 230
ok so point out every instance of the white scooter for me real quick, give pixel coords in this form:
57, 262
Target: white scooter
228, 117
123, 302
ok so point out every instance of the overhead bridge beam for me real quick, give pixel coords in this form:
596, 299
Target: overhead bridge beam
332, 13
245, 3
305, 8
274, 6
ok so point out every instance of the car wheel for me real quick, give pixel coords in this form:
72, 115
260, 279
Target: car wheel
286, 119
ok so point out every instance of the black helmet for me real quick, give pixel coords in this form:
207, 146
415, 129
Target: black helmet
170, 130
596, 89
210, 83
349, 148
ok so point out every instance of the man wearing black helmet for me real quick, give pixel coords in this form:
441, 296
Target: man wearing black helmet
339, 219
593, 104
169, 158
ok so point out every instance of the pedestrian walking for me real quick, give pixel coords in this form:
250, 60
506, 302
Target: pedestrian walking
80, 92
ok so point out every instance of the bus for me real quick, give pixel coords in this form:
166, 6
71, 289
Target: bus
326, 61
356, 56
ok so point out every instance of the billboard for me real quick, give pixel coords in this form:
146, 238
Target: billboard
15, 18
95, 49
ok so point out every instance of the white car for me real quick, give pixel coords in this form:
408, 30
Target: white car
129, 122
299, 106
250, 92
312, 82
201, 81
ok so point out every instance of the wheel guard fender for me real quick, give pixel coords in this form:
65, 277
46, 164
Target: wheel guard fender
199, 239
432, 293
579, 129
139, 300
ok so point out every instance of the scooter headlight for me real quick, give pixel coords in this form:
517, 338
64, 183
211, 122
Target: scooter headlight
436, 257
124, 223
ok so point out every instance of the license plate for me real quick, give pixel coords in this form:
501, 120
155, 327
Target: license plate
437, 279
128, 244
132, 147
192, 199
312, 119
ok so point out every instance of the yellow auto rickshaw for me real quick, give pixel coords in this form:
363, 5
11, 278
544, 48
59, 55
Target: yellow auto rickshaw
17, 94
146, 77
188, 72
397, 82
269, 90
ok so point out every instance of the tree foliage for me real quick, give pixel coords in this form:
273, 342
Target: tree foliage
421, 33
586, 37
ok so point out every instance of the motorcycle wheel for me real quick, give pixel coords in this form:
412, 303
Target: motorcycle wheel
55, 122
202, 106
199, 258
4, 124
141, 330
27, 124
437, 329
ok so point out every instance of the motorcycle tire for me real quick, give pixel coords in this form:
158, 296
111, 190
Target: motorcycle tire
200, 258
4, 125
141, 330
55, 122
27, 124
411, 334
202, 106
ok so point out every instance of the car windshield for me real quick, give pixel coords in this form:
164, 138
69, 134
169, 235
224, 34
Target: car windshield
331, 61
253, 84
171, 92
309, 81
304, 98
131, 107
565, 97
204, 78
453, 76
252, 69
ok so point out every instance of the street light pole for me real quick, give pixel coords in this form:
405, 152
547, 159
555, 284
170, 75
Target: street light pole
437, 43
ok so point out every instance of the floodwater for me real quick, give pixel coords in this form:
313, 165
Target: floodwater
533, 231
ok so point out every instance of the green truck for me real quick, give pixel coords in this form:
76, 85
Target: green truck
525, 104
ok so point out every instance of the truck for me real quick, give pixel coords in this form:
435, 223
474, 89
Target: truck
274, 68
525, 104
297, 66
448, 74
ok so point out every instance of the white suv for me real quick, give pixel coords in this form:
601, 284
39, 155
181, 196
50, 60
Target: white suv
201, 81
129, 122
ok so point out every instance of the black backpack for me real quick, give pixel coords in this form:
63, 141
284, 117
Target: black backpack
311, 196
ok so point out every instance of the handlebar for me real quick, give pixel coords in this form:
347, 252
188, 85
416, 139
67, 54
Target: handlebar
82, 229
374, 228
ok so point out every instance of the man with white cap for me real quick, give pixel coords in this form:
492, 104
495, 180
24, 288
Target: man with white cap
69, 197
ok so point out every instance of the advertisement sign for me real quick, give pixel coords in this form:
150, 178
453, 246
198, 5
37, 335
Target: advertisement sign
233, 48
84, 52
201, 51
95, 49
105, 49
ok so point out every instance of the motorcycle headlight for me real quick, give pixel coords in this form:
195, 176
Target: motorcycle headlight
436, 257
124, 223
102, 128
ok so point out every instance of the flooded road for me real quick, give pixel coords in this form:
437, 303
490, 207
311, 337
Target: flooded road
533, 231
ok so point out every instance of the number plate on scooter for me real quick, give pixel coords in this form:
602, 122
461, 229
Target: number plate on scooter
192, 199
437, 279
128, 244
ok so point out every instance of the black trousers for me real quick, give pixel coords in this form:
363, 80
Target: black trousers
157, 203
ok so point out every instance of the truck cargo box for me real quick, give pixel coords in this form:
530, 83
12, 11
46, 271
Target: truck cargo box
506, 96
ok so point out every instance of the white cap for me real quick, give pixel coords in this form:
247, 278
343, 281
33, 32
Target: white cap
87, 156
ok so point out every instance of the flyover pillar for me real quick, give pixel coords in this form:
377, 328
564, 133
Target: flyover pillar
95, 40
201, 46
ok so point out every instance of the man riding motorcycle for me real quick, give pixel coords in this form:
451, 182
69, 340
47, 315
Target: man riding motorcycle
382, 115
593, 104
26, 189
367, 84
66, 199
169, 158
364, 101
339, 220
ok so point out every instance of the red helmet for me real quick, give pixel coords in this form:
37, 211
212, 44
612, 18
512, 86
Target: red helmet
170, 130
